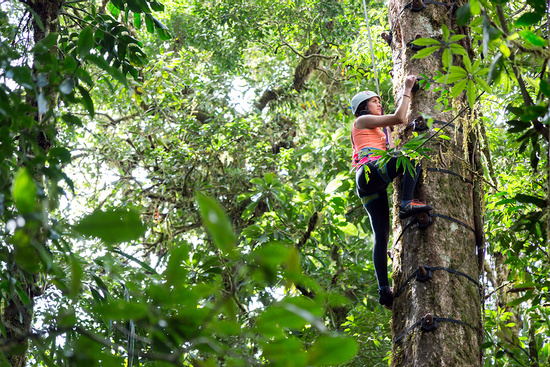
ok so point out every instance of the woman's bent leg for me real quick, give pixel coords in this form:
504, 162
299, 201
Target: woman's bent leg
379, 214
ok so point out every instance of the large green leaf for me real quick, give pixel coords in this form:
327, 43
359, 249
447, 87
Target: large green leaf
331, 351
217, 223
85, 41
24, 191
111, 226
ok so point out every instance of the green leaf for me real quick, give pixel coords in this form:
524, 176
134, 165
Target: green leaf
463, 15
529, 295
523, 198
333, 186
447, 57
121, 310
545, 88
285, 352
504, 49
458, 49
21, 75
46, 43
348, 228
103, 64
111, 226
76, 276
268, 178
487, 345
85, 41
483, 84
458, 88
471, 93
24, 191
156, 6
475, 8
539, 6
331, 351
153, 23
532, 38
457, 37
528, 19
425, 52
455, 74
72, 119
62, 155
175, 272
217, 223
446, 33
137, 20
87, 100
426, 42
134, 6
467, 63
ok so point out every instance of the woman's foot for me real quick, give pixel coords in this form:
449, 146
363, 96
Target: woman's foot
386, 297
413, 207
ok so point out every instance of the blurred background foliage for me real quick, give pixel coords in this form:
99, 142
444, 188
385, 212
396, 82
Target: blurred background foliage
175, 184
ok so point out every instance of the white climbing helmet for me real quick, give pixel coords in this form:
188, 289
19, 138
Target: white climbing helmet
360, 97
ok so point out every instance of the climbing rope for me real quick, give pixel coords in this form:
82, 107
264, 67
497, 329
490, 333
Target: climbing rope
426, 224
424, 273
430, 323
374, 64
371, 49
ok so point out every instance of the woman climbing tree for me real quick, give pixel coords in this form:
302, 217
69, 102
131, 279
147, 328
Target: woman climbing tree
372, 178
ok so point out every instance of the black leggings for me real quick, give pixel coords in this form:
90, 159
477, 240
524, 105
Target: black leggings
375, 199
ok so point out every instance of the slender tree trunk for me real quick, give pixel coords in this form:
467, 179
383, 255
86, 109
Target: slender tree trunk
446, 243
17, 313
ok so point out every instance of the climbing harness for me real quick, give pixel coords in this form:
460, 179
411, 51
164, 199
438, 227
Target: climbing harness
430, 323
425, 273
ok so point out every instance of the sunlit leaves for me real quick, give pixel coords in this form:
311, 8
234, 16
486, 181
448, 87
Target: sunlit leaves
533, 39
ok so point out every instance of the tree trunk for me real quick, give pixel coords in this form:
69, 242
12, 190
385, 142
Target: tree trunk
17, 313
450, 242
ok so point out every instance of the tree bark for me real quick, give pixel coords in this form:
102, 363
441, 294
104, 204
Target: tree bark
446, 243
17, 313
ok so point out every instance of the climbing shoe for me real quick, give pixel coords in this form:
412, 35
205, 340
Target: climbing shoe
412, 208
386, 297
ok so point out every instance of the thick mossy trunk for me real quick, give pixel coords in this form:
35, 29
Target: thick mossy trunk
450, 242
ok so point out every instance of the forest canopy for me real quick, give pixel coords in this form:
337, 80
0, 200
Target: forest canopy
175, 184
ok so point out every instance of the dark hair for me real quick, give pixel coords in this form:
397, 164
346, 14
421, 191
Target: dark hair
362, 109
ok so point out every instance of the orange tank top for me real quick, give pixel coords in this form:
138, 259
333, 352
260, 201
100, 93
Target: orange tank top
372, 138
